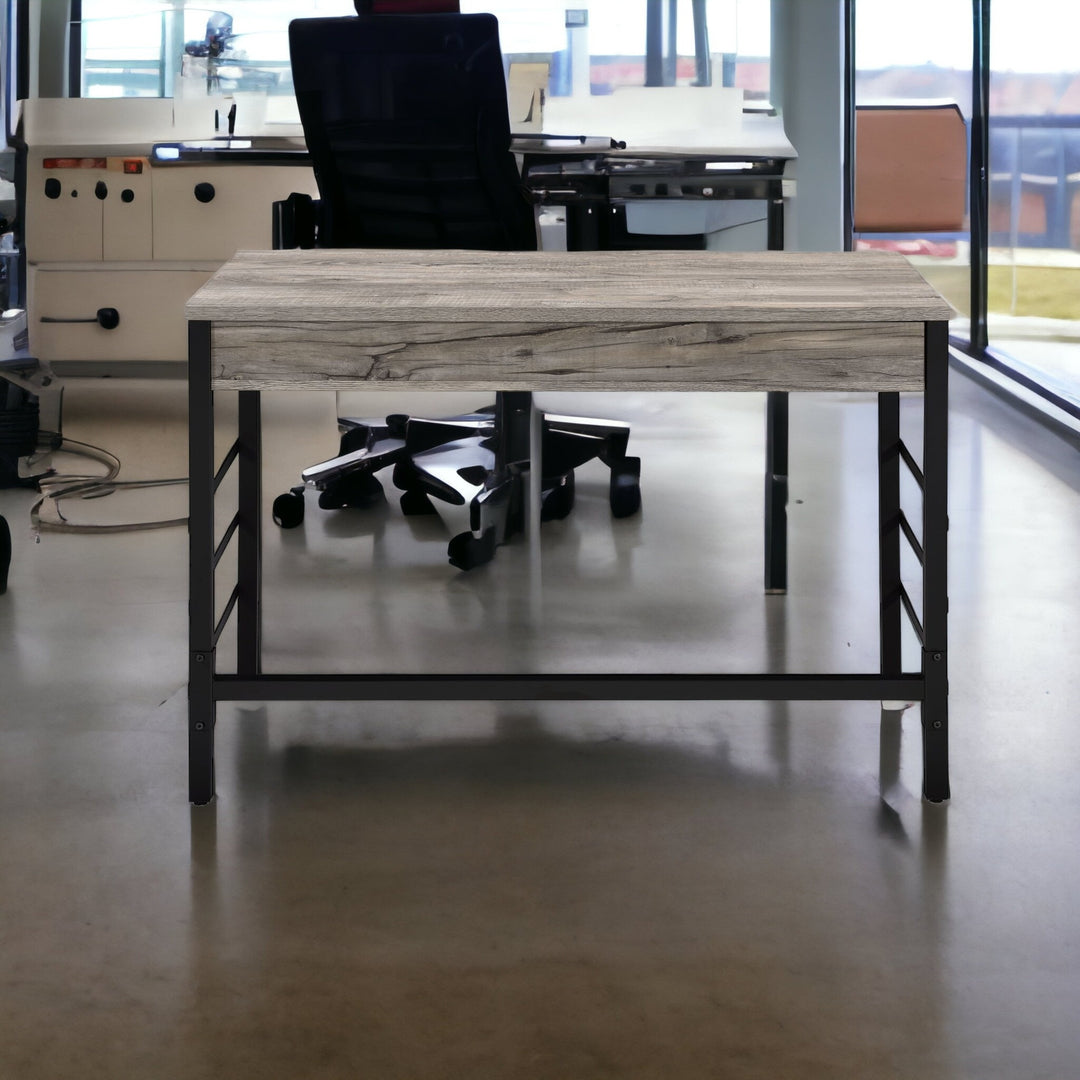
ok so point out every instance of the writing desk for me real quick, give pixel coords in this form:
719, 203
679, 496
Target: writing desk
660, 320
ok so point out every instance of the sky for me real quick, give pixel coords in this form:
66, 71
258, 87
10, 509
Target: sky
1027, 36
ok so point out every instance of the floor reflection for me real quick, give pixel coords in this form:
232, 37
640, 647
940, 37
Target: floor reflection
587, 894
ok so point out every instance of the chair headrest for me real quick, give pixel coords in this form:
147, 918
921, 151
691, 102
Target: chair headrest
407, 7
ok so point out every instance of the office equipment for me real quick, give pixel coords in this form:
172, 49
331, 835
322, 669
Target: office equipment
108, 225
405, 118
767, 321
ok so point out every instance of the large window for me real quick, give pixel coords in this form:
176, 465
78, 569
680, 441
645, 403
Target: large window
1021, 264
913, 108
588, 63
138, 48
1033, 279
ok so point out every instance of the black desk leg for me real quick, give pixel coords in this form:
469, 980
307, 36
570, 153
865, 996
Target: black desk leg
249, 536
891, 610
776, 491
776, 434
200, 566
935, 707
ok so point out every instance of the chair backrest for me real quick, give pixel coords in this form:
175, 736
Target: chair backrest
405, 7
910, 168
406, 121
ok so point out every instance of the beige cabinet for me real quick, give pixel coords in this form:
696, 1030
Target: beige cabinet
149, 301
212, 211
118, 232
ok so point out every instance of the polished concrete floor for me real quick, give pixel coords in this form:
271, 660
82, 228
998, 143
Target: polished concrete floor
548, 890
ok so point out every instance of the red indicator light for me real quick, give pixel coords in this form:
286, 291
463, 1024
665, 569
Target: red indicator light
132, 166
74, 163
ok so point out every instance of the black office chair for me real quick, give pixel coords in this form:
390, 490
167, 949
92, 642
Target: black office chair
406, 120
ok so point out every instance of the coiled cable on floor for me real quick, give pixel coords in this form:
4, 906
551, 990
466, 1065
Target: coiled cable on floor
58, 486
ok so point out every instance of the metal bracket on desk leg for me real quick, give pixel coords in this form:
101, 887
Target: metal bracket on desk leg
776, 491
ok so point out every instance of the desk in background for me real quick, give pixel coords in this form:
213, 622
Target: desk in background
774, 322
649, 195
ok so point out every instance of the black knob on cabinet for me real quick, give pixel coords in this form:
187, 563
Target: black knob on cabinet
101, 190
108, 318
52, 188
204, 192
127, 195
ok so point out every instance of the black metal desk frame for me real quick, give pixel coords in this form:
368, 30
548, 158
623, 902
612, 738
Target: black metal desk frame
207, 687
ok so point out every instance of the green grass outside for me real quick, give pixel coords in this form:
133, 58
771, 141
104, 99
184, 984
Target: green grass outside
1048, 292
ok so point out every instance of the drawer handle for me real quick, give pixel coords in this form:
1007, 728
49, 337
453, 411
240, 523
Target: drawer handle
108, 318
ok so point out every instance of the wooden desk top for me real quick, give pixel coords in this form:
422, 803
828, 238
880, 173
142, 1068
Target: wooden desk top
568, 320
478, 286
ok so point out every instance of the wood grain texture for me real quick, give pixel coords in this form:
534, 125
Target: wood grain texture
552, 287
607, 356
572, 320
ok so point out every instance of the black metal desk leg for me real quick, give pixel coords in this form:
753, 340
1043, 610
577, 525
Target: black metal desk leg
249, 536
935, 707
200, 566
776, 433
776, 491
891, 611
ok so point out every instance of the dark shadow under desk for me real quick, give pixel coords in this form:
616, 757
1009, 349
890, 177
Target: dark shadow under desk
763, 321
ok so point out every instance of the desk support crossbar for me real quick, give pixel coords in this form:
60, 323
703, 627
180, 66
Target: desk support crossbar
220, 550
910, 462
622, 687
223, 621
912, 539
912, 615
223, 470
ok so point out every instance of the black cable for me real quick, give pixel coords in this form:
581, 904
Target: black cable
58, 486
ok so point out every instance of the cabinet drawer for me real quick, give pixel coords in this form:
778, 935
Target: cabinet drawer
83, 214
150, 304
213, 211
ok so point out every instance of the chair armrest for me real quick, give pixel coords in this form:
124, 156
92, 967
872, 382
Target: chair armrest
294, 222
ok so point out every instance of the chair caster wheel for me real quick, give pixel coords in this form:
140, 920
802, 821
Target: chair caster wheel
416, 503
467, 553
558, 501
289, 509
353, 489
625, 491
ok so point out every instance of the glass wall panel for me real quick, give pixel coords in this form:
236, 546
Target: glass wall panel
1034, 256
588, 65
139, 48
913, 111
